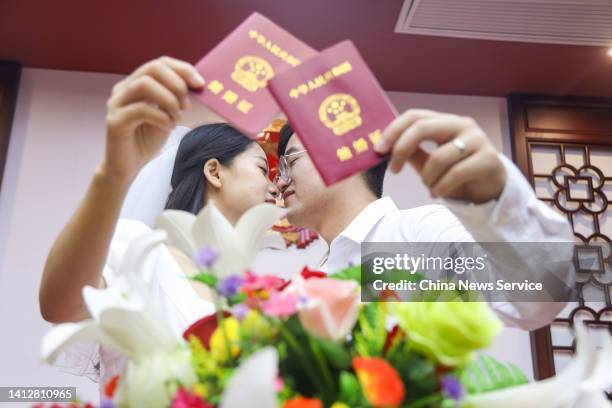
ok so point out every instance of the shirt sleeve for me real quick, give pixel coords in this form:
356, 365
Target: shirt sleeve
517, 216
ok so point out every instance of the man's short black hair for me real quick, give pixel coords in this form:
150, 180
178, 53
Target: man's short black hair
374, 177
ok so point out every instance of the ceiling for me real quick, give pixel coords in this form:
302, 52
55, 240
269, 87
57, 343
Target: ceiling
116, 36
578, 22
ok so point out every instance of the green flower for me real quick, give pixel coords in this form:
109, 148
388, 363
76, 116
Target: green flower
447, 332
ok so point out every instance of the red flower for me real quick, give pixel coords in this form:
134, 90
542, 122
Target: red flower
308, 274
258, 288
204, 328
442, 369
185, 399
111, 385
394, 335
388, 295
301, 402
381, 384
261, 285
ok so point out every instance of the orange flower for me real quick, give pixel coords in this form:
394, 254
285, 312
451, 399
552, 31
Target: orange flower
111, 385
301, 402
381, 384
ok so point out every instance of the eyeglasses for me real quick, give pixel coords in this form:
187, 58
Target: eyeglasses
284, 169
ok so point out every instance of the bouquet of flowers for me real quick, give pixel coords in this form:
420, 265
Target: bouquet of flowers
307, 342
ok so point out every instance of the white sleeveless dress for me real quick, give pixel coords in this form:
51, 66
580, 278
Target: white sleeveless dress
175, 296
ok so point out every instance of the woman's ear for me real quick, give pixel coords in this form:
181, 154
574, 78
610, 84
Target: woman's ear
212, 169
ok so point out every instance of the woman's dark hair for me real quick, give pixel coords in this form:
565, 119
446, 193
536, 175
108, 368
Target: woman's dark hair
215, 141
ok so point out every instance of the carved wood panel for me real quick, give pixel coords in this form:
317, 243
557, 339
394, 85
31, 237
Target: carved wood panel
564, 148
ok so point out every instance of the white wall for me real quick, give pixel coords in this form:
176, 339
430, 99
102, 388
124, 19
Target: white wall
56, 141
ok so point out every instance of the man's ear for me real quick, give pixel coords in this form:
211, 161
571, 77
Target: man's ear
212, 168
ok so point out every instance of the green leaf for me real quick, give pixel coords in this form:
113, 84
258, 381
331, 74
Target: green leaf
518, 374
488, 374
350, 390
237, 299
417, 372
350, 273
206, 278
371, 332
336, 353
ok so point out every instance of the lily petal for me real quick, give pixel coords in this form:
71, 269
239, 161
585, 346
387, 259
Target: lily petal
237, 246
566, 390
255, 223
118, 295
136, 257
213, 229
124, 318
66, 334
178, 224
138, 331
253, 381
600, 377
271, 239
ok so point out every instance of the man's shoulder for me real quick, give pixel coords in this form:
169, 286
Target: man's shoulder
420, 212
409, 224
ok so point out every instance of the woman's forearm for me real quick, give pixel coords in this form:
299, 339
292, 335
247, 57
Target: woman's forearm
78, 255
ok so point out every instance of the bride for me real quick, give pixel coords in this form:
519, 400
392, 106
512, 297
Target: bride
211, 162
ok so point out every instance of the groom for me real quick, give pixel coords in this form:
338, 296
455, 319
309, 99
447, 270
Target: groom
486, 199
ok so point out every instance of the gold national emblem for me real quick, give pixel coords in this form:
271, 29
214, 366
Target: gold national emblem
340, 113
252, 73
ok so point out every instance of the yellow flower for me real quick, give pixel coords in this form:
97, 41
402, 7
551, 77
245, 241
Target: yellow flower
217, 340
199, 389
339, 404
448, 332
254, 323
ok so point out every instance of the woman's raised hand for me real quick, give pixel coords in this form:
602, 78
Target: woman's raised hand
142, 110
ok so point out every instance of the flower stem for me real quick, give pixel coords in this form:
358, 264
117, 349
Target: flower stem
426, 401
327, 375
308, 368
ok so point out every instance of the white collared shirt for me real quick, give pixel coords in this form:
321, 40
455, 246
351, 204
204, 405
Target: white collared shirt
517, 216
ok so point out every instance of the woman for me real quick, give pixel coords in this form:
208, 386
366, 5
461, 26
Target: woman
213, 162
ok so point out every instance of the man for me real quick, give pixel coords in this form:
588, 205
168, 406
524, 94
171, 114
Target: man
486, 199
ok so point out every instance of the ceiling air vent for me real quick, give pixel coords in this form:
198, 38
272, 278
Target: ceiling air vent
579, 22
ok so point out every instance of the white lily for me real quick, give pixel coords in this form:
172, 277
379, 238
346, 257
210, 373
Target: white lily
125, 319
253, 382
581, 384
236, 246
150, 381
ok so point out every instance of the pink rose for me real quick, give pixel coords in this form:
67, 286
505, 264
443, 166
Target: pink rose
331, 307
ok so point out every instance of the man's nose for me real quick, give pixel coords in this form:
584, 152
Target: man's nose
281, 184
273, 190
